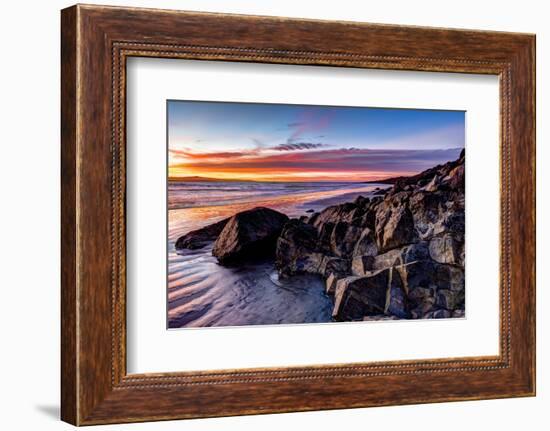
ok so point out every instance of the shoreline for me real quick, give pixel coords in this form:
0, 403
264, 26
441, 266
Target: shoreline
381, 252
195, 274
277, 200
293, 205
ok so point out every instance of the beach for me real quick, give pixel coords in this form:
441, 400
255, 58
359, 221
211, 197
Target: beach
202, 293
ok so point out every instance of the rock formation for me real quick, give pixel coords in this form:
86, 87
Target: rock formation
396, 255
201, 237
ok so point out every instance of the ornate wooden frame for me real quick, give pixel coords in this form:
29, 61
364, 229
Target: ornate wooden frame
96, 41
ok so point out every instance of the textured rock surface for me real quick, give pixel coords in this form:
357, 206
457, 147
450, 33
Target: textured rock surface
362, 265
399, 254
366, 244
331, 281
394, 225
356, 297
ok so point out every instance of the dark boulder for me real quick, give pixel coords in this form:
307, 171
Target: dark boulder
249, 234
201, 237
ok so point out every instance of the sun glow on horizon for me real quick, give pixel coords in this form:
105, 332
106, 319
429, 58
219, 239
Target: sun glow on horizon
178, 173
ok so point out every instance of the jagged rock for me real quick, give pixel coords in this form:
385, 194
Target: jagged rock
331, 281
434, 214
421, 297
394, 225
361, 201
325, 235
296, 250
426, 209
342, 286
450, 299
343, 239
336, 213
437, 314
456, 178
433, 185
387, 259
458, 313
368, 219
397, 302
366, 244
356, 297
299, 234
333, 265
201, 237
432, 275
431, 285
400, 256
306, 263
447, 249
421, 311
362, 265
249, 234
300, 249
379, 317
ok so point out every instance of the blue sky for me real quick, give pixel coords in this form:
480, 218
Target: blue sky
246, 140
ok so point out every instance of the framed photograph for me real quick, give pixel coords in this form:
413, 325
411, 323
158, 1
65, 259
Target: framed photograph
265, 215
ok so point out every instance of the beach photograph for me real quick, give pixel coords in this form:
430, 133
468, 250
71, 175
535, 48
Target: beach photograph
299, 214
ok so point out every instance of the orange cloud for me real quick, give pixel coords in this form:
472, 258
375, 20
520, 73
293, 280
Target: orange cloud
344, 164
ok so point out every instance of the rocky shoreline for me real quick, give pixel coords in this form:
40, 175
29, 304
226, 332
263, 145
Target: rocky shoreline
396, 255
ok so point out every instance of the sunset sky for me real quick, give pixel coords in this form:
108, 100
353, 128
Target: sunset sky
271, 142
